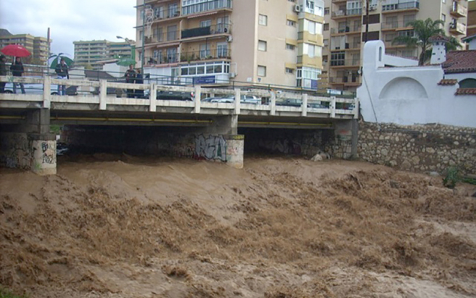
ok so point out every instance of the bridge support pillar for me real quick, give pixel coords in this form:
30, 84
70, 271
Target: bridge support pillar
42, 142
225, 127
346, 137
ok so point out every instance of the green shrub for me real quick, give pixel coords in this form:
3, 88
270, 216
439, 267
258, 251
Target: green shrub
452, 177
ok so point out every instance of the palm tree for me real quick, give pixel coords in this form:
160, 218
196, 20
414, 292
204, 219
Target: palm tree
423, 30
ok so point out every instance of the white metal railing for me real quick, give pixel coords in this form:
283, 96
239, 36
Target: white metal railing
91, 93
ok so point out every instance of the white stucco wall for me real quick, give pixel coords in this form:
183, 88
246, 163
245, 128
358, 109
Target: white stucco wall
409, 95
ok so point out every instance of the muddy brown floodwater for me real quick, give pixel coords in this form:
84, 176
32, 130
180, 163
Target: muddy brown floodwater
123, 226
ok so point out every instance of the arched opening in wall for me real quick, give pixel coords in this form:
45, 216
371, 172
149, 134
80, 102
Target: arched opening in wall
467, 83
403, 88
279, 141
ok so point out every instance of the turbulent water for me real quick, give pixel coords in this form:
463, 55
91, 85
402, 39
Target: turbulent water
123, 226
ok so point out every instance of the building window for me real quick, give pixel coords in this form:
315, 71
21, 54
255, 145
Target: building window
326, 27
263, 20
289, 70
261, 70
262, 45
204, 51
326, 10
222, 49
291, 0
290, 23
206, 23
290, 47
172, 32
443, 17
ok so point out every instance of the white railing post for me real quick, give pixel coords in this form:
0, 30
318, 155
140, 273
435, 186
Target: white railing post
153, 98
237, 101
46, 92
198, 99
304, 105
272, 103
102, 94
332, 106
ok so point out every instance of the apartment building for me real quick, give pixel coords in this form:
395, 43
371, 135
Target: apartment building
94, 52
275, 42
38, 46
471, 29
347, 26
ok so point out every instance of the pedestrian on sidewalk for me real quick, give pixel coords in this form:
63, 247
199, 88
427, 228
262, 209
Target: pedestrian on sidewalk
3, 72
17, 71
63, 73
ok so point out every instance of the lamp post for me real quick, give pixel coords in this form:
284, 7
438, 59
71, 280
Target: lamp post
132, 44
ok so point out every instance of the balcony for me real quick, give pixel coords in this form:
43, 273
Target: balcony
163, 37
165, 14
345, 63
340, 14
348, 46
203, 55
351, 80
457, 28
206, 31
458, 10
392, 26
407, 5
206, 6
346, 30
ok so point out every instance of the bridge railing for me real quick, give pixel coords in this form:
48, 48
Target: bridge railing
102, 94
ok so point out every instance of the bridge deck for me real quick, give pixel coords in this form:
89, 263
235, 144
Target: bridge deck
101, 108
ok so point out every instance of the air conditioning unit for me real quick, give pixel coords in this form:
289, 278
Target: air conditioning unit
232, 75
298, 8
229, 38
373, 7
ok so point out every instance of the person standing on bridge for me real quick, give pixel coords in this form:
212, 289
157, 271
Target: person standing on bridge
130, 78
17, 71
139, 80
3, 72
62, 71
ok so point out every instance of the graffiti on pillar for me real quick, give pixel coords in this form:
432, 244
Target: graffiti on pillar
210, 148
48, 152
286, 146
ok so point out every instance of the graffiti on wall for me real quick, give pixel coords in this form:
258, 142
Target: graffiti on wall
210, 148
286, 146
14, 151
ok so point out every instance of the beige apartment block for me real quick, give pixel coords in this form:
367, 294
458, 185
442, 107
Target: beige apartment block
38, 46
92, 53
346, 30
254, 42
471, 29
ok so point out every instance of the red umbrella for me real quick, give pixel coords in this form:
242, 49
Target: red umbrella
15, 50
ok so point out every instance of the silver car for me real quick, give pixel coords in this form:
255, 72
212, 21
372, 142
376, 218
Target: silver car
243, 99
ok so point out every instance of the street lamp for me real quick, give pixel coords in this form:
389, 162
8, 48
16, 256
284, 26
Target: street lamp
132, 44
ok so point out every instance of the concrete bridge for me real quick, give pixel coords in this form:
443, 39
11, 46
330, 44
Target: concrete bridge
26, 118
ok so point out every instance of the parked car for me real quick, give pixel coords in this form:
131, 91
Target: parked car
172, 95
289, 102
35, 88
229, 99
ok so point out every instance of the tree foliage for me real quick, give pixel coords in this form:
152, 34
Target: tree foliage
423, 31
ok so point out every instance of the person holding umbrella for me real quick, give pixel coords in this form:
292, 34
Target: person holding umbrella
17, 71
3, 72
62, 71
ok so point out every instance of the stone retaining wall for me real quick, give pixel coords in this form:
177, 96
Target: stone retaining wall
418, 148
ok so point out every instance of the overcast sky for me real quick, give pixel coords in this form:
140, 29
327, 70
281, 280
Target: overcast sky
69, 20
